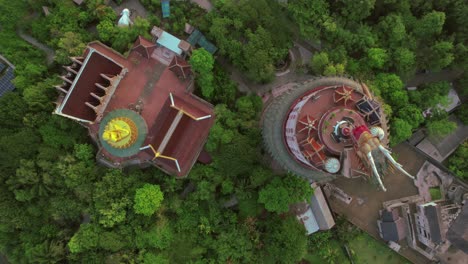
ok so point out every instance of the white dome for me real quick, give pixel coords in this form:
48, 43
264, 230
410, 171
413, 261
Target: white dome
377, 132
332, 165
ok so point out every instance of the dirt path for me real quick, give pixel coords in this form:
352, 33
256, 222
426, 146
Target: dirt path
49, 52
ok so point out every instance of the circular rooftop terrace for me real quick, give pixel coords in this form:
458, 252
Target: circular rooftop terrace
311, 126
122, 132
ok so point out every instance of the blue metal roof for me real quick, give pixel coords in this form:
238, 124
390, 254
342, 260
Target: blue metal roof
169, 41
198, 38
309, 221
166, 9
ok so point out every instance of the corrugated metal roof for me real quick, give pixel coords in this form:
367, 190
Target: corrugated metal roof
198, 38
433, 218
393, 231
169, 41
166, 9
321, 210
308, 220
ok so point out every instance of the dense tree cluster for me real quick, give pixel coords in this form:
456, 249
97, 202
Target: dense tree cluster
457, 162
253, 35
57, 205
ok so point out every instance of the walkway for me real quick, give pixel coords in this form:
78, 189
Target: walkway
205, 4
50, 53
246, 86
135, 7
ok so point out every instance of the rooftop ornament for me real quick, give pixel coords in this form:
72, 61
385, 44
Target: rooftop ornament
332, 165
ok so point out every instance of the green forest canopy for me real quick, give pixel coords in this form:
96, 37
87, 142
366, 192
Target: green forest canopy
57, 205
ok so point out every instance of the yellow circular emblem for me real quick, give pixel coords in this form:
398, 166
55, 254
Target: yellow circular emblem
120, 132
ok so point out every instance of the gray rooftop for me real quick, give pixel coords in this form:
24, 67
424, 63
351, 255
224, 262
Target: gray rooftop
432, 213
392, 231
458, 231
390, 216
441, 148
321, 210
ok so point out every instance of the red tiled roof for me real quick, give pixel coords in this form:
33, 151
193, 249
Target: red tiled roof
94, 65
147, 83
180, 67
144, 47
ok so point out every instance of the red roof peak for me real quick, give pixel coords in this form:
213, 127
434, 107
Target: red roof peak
144, 47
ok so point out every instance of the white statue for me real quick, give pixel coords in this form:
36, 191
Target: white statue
124, 20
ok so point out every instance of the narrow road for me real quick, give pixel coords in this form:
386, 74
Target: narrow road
49, 52
444, 75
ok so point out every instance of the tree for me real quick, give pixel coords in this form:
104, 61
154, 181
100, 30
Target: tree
438, 56
392, 91
285, 241
318, 62
404, 61
400, 130
106, 30
432, 94
377, 57
148, 199
311, 21
283, 191
275, 197
462, 113
37, 96
429, 25
411, 114
47, 252
12, 110
71, 44
111, 241
86, 238
457, 161
111, 197
234, 246
202, 64
258, 56
392, 30
440, 128
150, 258
355, 11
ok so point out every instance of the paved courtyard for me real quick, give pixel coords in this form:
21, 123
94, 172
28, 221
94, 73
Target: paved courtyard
398, 185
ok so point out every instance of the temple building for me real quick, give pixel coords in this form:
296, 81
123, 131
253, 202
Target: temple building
6, 76
327, 127
139, 109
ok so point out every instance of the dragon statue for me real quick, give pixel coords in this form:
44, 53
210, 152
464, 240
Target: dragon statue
370, 150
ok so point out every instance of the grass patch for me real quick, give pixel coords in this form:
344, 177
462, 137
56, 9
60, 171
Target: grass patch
335, 254
366, 249
435, 192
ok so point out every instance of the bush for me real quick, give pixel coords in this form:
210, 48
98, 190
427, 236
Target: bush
148, 199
